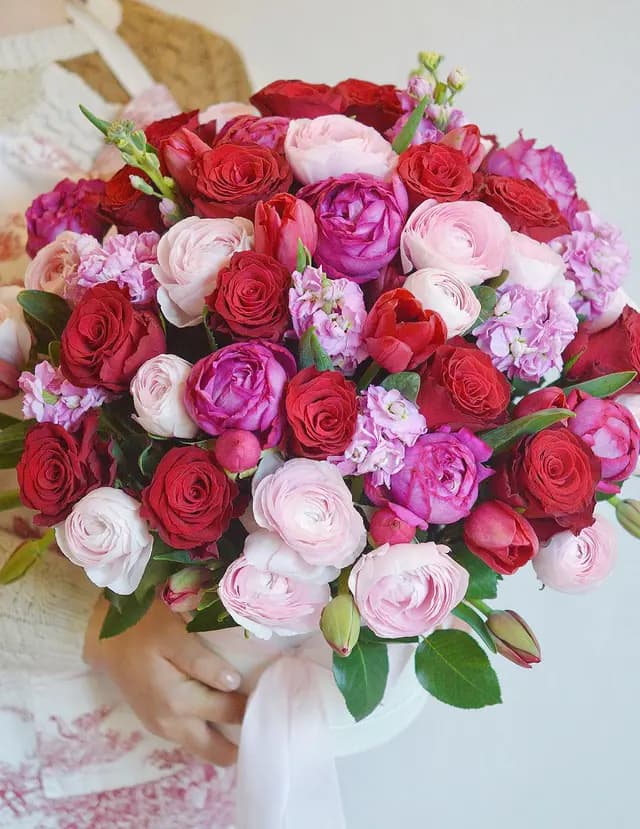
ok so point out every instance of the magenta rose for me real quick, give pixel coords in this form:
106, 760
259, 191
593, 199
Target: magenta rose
241, 386
71, 205
360, 219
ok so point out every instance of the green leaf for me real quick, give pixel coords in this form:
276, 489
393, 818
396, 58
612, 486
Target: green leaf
303, 257
369, 637
163, 552
49, 311
454, 669
7, 420
127, 614
206, 321
498, 281
149, 459
156, 572
98, 123
604, 386
23, 558
488, 299
483, 581
12, 443
476, 623
406, 382
311, 353
566, 368
503, 437
10, 500
404, 138
362, 677
54, 352
213, 617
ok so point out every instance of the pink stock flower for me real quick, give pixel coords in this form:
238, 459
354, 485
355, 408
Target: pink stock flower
50, 398
546, 167
407, 589
336, 310
280, 223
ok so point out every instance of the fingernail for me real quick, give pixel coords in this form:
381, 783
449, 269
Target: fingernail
231, 680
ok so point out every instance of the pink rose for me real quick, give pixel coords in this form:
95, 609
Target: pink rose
442, 291
55, 265
532, 264
331, 145
308, 504
279, 223
190, 256
105, 535
158, 391
224, 112
15, 341
471, 144
576, 563
184, 590
467, 238
265, 603
407, 589
237, 450
615, 304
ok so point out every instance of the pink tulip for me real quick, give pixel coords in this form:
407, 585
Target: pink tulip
279, 223
177, 153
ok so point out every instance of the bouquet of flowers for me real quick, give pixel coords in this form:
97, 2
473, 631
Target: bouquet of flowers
335, 361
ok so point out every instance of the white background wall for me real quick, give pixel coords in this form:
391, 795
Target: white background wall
562, 751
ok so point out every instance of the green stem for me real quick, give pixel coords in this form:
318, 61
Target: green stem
369, 375
614, 500
481, 606
10, 500
343, 581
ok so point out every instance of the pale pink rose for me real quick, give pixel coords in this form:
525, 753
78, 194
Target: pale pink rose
190, 255
267, 551
225, 112
468, 238
532, 264
265, 603
105, 535
577, 563
15, 341
332, 145
158, 390
442, 291
407, 589
308, 504
54, 267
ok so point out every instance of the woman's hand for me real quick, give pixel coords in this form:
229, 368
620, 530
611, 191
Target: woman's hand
177, 687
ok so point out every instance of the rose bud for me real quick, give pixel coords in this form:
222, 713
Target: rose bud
279, 223
628, 515
184, 590
513, 638
340, 624
386, 528
237, 450
500, 536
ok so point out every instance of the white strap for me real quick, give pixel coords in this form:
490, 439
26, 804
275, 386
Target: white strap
122, 61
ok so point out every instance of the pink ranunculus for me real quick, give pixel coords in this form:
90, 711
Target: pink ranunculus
241, 386
266, 550
308, 504
360, 219
471, 144
54, 267
106, 536
15, 341
224, 112
331, 145
442, 291
546, 167
158, 391
265, 603
407, 589
611, 432
280, 223
467, 238
577, 563
190, 255
532, 264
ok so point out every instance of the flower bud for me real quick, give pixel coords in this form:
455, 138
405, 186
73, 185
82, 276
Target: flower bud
514, 639
387, 528
184, 590
430, 60
628, 515
457, 79
340, 624
237, 450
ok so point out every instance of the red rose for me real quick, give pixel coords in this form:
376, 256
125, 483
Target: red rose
190, 499
500, 536
106, 339
461, 387
616, 348
322, 408
525, 207
435, 171
552, 397
399, 334
298, 99
230, 179
127, 208
251, 298
57, 468
376, 105
552, 477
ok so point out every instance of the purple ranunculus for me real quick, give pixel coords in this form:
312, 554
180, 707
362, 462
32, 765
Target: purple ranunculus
71, 205
360, 219
249, 129
241, 387
440, 478
546, 167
